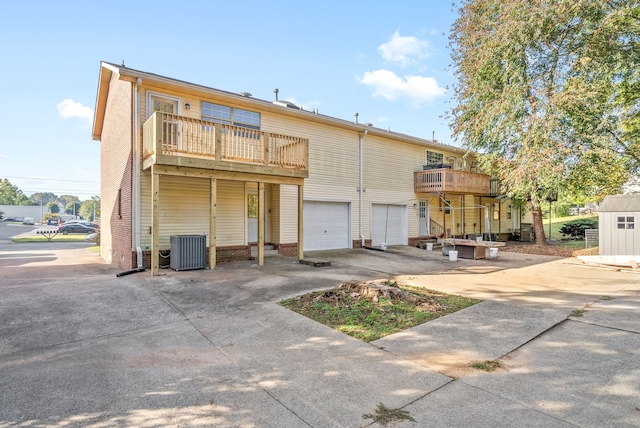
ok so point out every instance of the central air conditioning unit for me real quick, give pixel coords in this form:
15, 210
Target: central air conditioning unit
188, 252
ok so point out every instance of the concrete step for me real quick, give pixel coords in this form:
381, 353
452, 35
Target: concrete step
269, 251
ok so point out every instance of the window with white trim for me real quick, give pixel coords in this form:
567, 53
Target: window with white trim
230, 116
626, 222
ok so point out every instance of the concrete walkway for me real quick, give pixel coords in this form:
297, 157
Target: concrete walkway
80, 347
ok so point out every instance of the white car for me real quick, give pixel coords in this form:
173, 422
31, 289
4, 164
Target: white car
28, 220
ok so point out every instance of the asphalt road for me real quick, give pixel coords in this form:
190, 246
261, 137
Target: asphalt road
8, 230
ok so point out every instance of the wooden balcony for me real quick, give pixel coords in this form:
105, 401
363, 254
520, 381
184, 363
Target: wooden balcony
181, 141
450, 181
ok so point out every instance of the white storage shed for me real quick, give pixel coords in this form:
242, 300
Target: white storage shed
618, 231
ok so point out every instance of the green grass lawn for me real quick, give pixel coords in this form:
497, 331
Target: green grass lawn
557, 223
369, 320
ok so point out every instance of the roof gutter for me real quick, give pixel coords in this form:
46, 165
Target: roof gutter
135, 191
361, 182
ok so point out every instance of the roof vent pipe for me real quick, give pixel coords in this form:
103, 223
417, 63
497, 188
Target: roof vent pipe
355, 117
275, 91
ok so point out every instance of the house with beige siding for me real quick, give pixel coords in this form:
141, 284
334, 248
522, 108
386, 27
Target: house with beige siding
182, 159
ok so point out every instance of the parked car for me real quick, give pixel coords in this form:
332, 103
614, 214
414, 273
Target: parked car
53, 222
67, 228
28, 220
85, 222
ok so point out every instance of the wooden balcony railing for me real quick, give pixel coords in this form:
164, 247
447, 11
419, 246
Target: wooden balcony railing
494, 187
436, 228
167, 137
450, 181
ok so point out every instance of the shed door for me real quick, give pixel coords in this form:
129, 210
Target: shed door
326, 225
388, 224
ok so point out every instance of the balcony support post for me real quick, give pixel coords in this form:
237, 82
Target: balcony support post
300, 222
480, 216
155, 218
261, 220
462, 215
443, 201
213, 212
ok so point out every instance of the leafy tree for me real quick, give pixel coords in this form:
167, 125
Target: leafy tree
90, 209
43, 198
536, 80
65, 200
47, 216
53, 207
11, 195
72, 208
627, 95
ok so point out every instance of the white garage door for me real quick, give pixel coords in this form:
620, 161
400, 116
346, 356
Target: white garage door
388, 224
326, 225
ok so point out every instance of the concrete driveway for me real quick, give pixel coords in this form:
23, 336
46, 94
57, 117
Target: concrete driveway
80, 347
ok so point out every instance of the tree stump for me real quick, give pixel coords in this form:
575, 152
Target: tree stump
379, 289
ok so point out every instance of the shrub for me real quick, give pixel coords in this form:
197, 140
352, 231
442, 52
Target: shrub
575, 228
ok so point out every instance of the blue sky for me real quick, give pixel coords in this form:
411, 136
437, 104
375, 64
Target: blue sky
387, 61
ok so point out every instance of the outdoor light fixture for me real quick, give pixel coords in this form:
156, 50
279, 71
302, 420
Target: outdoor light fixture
187, 106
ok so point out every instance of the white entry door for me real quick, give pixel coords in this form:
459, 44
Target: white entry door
171, 130
252, 218
326, 225
423, 218
388, 224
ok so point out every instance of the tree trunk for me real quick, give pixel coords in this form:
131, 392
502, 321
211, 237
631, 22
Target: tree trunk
538, 226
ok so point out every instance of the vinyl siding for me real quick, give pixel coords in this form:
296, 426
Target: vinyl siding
288, 214
184, 210
274, 206
614, 241
333, 172
231, 217
333, 176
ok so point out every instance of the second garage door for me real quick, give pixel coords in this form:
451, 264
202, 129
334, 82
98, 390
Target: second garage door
388, 224
326, 225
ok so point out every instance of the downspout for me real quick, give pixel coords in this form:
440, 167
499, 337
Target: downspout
135, 193
361, 184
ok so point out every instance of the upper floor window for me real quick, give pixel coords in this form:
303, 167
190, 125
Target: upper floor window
433, 158
231, 116
627, 222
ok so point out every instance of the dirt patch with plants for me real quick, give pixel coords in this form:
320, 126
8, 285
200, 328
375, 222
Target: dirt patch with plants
555, 249
374, 309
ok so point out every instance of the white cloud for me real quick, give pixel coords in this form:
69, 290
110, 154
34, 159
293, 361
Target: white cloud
69, 109
416, 89
404, 50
